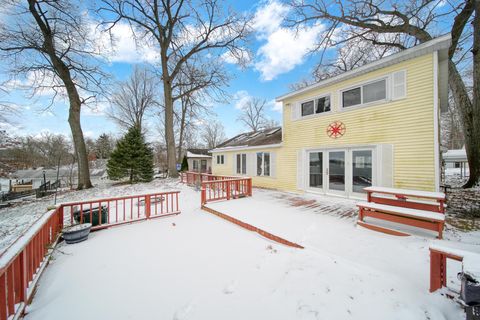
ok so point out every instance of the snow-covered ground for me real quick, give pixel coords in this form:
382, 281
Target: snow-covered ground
198, 266
18, 218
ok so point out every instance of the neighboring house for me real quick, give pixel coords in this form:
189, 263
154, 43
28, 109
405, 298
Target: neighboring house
456, 158
375, 125
199, 160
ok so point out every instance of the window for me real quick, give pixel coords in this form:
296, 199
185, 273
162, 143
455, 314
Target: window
195, 165
203, 165
352, 97
220, 159
316, 106
371, 92
263, 164
241, 163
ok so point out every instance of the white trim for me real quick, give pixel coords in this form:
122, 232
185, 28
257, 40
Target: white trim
238, 148
440, 43
436, 136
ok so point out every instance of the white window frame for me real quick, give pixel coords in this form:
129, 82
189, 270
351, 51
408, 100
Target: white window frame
262, 174
243, 164
361, 85
195, 164
220, 159
313, 115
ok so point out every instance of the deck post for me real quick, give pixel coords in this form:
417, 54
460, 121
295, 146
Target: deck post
147, 207
436, 272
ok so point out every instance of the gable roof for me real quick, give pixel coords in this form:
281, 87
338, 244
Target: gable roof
198, 153
252, 139
440, 43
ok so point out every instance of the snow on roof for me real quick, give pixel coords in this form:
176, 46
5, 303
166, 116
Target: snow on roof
249, 139
194, 155
455, 155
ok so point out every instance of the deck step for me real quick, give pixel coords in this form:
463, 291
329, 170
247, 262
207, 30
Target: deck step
382, 229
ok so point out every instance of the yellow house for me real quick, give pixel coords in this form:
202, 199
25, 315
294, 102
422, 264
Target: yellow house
375, 125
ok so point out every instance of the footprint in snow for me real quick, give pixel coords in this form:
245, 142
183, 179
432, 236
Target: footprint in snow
230, 288
182, 313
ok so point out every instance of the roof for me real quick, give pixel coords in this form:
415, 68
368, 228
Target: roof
252, 139
198, 153
455, 155
440, 43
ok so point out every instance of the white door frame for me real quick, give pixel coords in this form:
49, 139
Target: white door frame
348, 192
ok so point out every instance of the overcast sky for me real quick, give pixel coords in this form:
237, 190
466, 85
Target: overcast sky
280, 58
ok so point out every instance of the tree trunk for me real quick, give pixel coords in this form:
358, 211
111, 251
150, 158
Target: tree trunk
182, 131
472, 113
79, 146
169, 132
63, 72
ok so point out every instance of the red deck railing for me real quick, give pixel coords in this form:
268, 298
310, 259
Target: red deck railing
193, 178
215, 187
226, 189
23, 261
115, 211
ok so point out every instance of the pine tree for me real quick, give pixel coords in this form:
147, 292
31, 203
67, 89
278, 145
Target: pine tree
132, 158
184, 164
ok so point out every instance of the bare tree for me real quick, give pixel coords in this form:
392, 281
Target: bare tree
213, 133
133, 99
49, 41
182, 31
253, 114
416, 21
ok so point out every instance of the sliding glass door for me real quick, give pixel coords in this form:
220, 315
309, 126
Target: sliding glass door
344, 172
362, 170
316, 170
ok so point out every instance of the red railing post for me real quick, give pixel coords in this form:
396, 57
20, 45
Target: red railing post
147, 206
203, 195
228, 190
249, 187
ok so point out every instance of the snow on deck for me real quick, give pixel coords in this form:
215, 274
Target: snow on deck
198, 266
19, 218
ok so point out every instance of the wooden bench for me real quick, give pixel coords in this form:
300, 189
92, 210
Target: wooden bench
420, 209
438, 264
414, 199
417, 218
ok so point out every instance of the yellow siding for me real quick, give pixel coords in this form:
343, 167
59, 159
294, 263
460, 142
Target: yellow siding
407, 124
228, 170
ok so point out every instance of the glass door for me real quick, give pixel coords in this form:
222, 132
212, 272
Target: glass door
336, 172
362, 170
315, 174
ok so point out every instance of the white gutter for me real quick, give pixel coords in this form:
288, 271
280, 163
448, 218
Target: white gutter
436, 44
236, 148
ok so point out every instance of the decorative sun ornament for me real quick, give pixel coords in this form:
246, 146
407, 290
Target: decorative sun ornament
336, 129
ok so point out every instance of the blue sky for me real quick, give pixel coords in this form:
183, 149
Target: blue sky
280, 58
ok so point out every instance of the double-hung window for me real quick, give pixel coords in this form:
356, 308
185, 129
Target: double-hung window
315, 106
370, 92
220, 159
263, 164
195, 165
241, 163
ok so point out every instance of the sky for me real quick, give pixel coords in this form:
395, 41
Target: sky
280, 58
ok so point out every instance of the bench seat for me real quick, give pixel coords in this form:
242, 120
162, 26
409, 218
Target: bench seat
417, 218
407, 212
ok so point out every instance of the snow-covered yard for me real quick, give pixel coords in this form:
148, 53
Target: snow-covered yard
198, 266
